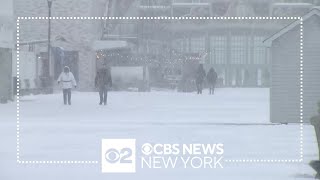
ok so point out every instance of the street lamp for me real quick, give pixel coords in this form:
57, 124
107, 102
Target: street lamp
49, 45
49, 33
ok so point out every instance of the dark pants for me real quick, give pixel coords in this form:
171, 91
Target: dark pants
103, 93
199, 87
211, 88
67, 96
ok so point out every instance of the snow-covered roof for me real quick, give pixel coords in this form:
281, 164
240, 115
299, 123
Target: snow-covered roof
108, 44
190, 4
269, 40
292, 4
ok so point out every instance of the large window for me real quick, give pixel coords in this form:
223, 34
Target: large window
218, 49
259, 51
197, 44
190, 45
181, 45
239, 50
178, 45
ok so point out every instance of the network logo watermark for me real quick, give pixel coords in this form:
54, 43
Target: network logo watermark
187, 156
119, 156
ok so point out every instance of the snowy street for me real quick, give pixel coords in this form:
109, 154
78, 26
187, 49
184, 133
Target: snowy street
238, 118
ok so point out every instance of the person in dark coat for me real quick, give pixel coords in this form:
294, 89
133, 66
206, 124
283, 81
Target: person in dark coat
200, 75
212, 79
103, 82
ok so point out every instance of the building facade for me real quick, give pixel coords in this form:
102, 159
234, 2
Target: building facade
75, 37
233, 48
6, 46
285, 93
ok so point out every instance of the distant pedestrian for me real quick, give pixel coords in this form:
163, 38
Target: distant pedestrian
212, 80
67, 80
200, 75
103, 82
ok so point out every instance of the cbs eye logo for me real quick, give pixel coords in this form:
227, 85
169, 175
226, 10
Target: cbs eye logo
121, 156
146, 149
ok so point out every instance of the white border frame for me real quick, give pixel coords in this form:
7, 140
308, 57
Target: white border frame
300, 159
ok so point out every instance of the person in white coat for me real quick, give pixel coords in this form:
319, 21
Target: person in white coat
67, 81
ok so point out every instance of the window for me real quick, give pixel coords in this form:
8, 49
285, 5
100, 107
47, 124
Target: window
197, 44
238, 50
259, 51
179, 45
218, 49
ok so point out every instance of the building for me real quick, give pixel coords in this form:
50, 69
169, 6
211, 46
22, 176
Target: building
285, 57
234, 48
6, 46
74, 37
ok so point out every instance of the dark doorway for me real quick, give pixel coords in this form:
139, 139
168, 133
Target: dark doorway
66, 58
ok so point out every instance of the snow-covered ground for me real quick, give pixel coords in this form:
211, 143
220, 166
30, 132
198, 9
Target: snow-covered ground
238, 118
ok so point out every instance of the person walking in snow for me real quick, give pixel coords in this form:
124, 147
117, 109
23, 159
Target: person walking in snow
67, 81
200, 75
212, 79
103, 82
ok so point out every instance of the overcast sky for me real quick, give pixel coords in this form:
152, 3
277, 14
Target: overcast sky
6, 7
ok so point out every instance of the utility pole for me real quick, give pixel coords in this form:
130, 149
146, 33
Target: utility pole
49, 77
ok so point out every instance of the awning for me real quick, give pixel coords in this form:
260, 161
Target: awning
108, 45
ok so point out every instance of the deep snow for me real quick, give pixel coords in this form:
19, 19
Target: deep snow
239, 118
